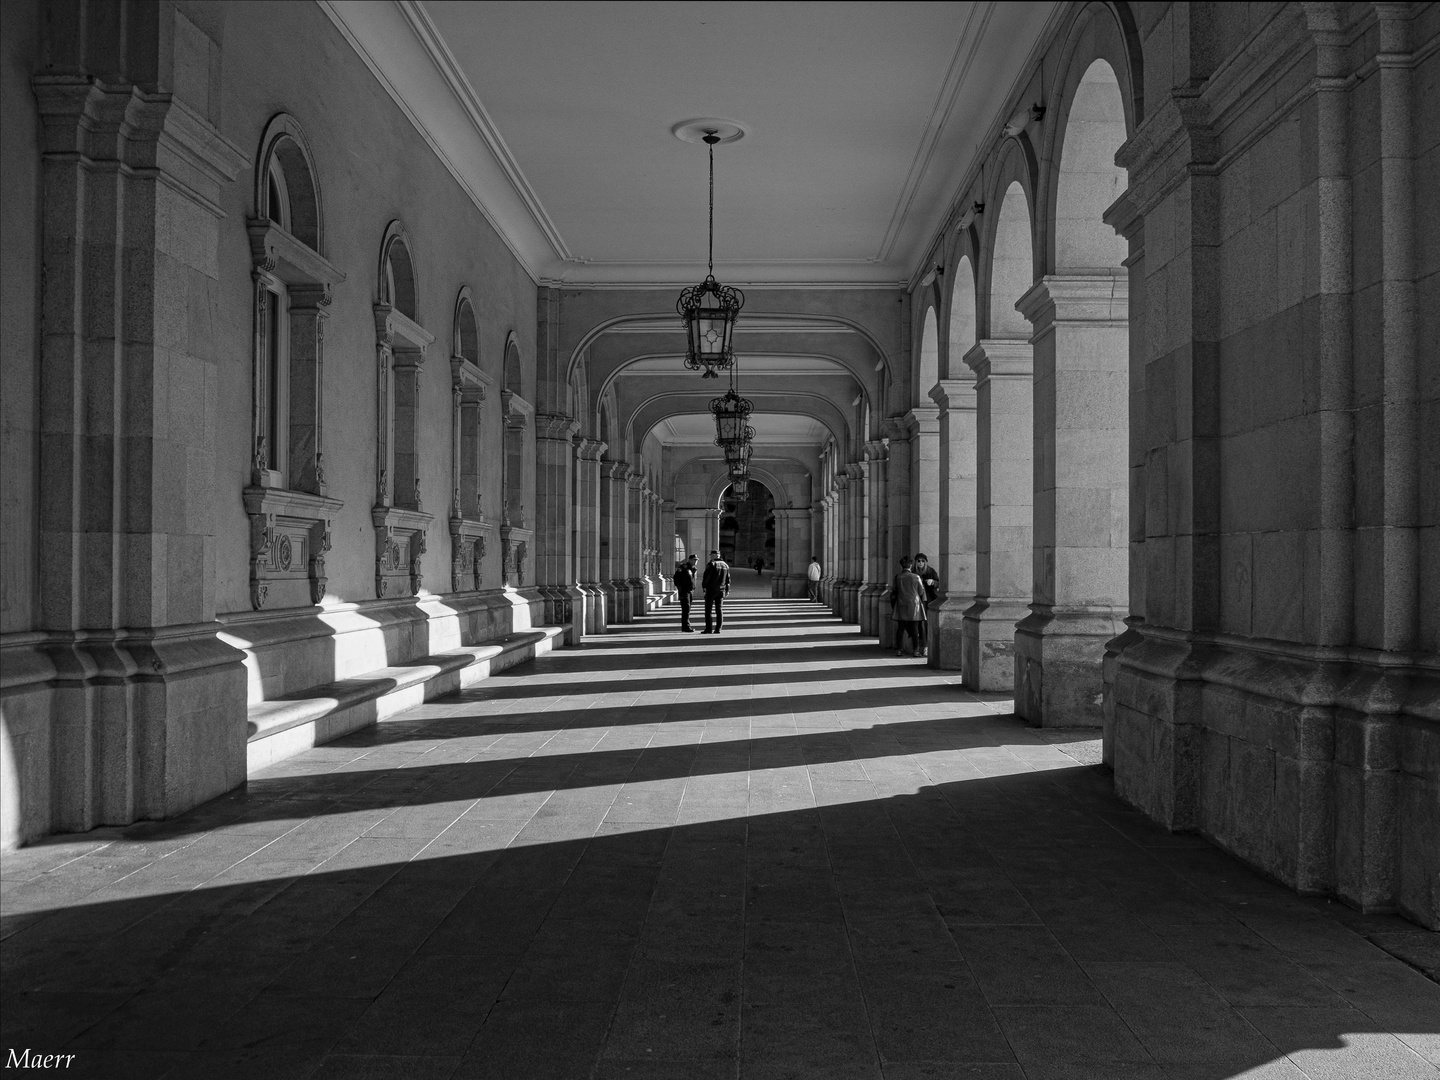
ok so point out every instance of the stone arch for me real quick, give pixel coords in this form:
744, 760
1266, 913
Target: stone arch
579, 353
1090, 112
782, 496
397, 285
651, 411
284, 149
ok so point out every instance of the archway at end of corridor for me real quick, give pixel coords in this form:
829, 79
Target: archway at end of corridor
747, 527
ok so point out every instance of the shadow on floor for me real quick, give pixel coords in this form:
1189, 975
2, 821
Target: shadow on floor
1018, 926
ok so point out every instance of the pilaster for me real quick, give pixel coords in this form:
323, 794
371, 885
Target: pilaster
1003, 522
1080, 563
955, 558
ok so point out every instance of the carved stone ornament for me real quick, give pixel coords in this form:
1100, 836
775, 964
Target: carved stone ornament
289, 536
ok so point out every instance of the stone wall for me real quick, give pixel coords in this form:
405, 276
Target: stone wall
129, 646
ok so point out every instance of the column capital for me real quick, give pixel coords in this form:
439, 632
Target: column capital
1000, 358
589, 449
556, 427
1093, 297
923, 419
614, 470
954, 395
895, 429
876, 449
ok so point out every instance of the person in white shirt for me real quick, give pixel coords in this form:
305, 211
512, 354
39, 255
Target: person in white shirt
813, 578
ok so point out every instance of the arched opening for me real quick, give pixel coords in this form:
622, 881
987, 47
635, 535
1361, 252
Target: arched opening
1012, 269
397, 285
1004, 478
747, 527
1089, 181
929, 367
467, 333
1080, 319
955, 558
962, 317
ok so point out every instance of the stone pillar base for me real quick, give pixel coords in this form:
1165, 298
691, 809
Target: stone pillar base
1059, 666
870, 613
109, 727
596, 615
1315, 764
1114, 649
947, 633
788, 586
573, 614
988, 649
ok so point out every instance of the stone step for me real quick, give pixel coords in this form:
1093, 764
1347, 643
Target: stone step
285, 726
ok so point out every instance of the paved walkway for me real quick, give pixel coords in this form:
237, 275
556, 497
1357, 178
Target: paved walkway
773, 854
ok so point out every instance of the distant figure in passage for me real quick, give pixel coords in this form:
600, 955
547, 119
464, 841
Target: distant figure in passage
684, 586
759, 565
716, 583
812, 579
907, 607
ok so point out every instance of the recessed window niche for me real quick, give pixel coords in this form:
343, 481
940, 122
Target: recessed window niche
398, 515
286, 501
469, 527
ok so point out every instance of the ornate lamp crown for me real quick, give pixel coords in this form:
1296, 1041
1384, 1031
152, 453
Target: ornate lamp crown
709, 309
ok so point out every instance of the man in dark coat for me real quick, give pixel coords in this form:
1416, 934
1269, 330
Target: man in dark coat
684, 586
716, 583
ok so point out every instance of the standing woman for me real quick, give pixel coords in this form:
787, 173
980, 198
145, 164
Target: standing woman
907, 607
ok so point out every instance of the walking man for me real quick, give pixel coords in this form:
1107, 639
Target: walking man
812, 579
684, 587
716, 583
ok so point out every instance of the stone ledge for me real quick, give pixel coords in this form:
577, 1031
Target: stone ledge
280, 728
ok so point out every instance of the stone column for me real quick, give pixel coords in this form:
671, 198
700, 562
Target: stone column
1003, 529
922, 423
898, 495
614, 540
669, 529
1081, 503
712, 533
690, 526
554, 558
956, 556
587, 532
147, 717
792, 549
876, 610
638, 504
867, 527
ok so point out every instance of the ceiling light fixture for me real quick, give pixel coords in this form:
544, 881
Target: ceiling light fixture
709, 309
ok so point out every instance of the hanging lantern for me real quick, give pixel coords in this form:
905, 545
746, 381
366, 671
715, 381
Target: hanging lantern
709, 309
731, 412
740, 488
737, 457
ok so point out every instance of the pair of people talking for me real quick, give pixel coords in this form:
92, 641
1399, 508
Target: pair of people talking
714, 583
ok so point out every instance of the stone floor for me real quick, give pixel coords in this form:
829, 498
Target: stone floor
778, 853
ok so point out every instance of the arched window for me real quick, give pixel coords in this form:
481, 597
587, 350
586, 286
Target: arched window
290, 513
468, 384
399, 516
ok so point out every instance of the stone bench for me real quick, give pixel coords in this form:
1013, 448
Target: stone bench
287, 725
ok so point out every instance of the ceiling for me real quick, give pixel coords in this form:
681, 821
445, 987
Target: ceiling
862, 120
